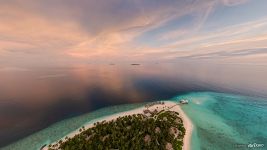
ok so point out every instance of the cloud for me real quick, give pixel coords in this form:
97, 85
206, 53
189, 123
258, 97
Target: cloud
51, 76
229, 54
250, 35
13, 69
93, 30
233, 2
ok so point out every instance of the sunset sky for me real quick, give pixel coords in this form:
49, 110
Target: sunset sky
72, 31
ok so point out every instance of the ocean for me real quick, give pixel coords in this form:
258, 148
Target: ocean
221, 122
41, 104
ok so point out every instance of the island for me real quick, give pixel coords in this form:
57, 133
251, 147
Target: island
158, 125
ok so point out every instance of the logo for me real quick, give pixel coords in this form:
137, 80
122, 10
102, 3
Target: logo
255, 145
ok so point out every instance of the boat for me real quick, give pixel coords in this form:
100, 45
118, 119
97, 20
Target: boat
183, 101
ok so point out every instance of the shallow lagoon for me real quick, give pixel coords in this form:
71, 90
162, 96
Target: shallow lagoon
226, 121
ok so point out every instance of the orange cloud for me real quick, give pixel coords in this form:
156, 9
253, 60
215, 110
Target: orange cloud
97, 30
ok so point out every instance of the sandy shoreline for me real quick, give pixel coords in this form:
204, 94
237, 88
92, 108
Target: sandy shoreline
173, 106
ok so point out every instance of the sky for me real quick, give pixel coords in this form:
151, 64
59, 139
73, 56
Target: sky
50, 32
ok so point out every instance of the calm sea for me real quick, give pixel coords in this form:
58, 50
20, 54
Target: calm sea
33, 99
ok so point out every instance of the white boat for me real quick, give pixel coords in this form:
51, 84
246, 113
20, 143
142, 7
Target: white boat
184, 101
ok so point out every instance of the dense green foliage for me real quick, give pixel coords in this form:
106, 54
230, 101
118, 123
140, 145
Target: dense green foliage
135, 132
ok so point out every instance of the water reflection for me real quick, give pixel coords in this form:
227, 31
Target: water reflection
33, 98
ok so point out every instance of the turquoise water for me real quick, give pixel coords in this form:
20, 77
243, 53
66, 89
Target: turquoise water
62, 128
221, 121
225, 121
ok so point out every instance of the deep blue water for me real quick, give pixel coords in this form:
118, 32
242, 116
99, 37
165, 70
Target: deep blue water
34, 99
221, 122
62, 128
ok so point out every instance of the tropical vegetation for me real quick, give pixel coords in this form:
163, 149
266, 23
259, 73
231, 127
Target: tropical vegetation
162, 130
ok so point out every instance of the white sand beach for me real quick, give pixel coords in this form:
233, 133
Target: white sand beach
167, 105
